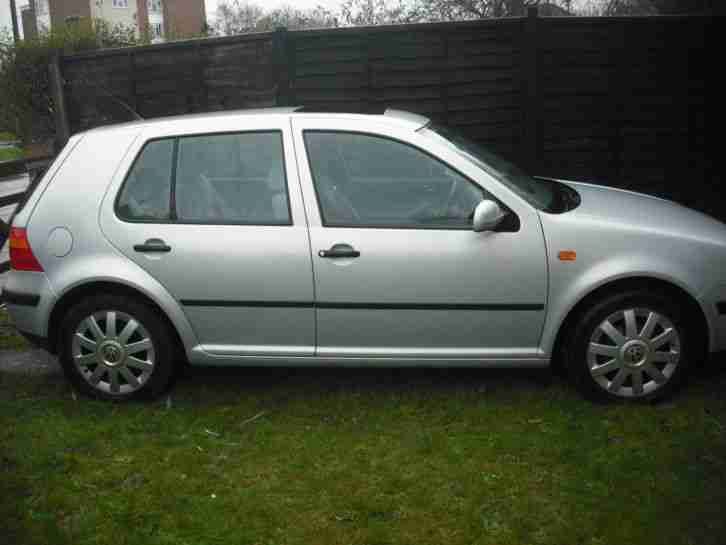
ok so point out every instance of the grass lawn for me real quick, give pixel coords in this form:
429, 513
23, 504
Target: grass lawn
373, 456
10, 154
9, 339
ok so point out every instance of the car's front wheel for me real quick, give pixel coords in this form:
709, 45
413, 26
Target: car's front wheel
631, 346
116, 348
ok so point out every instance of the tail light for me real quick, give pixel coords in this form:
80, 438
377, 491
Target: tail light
21, 255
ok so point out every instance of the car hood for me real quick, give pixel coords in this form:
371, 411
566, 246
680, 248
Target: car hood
637, 210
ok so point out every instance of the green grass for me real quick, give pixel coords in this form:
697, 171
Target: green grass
9, 337
10, 154
346, 456
7, 137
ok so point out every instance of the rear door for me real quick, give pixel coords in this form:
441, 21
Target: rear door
217, 218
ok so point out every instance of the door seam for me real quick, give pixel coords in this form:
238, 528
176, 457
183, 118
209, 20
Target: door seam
310, 240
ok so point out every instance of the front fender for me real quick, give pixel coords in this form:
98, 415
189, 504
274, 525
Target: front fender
606, 254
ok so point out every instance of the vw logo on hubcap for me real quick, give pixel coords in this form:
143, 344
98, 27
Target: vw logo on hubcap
111, 353
635, 353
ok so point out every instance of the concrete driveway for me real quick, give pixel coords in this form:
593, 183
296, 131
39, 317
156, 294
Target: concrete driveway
31, 362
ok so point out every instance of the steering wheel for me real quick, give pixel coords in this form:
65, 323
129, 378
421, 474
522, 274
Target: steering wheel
429, 208
452, 192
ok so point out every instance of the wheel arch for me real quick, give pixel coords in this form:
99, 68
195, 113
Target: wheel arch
631, 283
96, 287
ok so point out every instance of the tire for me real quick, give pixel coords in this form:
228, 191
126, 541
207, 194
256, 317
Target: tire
650, 338
135, 362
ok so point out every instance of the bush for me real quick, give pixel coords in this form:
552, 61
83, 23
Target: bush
26, 105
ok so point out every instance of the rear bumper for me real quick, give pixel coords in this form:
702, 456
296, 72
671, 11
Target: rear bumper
29, 300
714, 304
20, 299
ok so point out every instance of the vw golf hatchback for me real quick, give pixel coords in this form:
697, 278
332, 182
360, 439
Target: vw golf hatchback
279, 237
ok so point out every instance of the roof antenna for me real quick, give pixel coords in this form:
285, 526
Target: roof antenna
133, 112
114, 98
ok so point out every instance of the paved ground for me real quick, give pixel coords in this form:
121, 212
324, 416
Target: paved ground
32, 362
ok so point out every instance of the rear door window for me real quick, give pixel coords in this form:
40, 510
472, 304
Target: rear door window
214, 179
232, 178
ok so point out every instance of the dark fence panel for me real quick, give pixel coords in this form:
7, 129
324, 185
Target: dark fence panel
618, 101
624, 104
155, 81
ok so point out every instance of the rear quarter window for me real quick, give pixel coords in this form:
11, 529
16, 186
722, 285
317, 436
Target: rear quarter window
146, 192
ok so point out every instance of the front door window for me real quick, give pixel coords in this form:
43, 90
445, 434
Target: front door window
362, 180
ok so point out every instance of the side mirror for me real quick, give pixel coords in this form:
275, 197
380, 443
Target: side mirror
487, 215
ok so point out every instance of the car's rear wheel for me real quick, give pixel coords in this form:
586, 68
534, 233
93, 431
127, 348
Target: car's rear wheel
116, 348
631, 346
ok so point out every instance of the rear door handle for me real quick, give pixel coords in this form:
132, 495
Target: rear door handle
339, 250
152, 245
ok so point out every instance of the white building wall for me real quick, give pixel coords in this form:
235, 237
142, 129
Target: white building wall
115, 12
42, 15
156, 20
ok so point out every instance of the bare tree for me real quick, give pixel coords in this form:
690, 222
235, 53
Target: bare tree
235, 17
618, 7
379, 12
705, 7
475, 9
652, 7
239, 17
295, 19
375, 12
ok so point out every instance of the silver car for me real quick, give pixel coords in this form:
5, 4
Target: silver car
282, 237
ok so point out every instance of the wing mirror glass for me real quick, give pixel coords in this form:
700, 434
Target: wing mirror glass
487, 216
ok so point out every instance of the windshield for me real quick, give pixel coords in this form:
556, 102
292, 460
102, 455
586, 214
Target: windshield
538, 193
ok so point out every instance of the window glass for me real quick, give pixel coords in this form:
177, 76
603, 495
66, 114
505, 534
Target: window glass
156, 31
232, 178
366, 180
540, 194
145, 195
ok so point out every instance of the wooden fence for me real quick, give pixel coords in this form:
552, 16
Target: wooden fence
619, 101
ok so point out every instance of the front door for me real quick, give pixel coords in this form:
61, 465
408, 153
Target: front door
218, 220
398, 270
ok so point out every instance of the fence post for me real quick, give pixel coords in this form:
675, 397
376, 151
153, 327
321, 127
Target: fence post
133, 102
532, 125
367, 100
618, 98
280, 66
444, 77
55, 80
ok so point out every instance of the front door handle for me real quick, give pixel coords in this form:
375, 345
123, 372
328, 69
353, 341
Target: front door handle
339, 250
152, 245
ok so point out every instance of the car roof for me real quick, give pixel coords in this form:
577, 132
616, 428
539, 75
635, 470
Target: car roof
402, 118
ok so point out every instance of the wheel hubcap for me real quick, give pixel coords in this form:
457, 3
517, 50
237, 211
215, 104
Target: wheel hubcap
634, 352
113, 352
